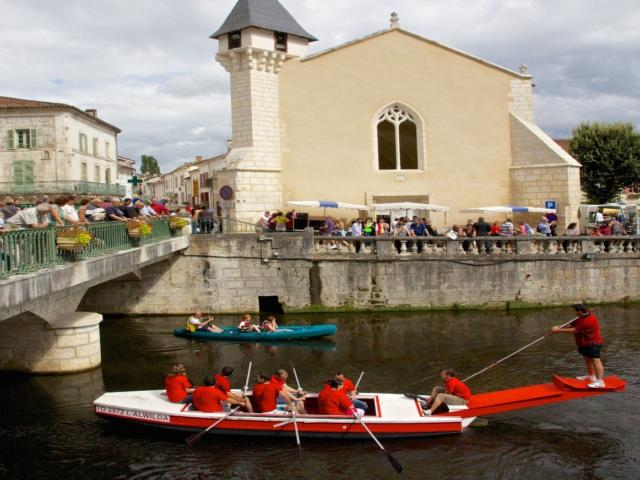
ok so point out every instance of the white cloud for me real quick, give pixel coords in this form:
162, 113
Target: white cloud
148, 67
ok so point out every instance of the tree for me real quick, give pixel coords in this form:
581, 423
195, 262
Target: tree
610, 158
149, 165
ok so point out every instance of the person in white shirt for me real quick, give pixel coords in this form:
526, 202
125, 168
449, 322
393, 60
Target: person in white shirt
69, 213
34, 217
148, 211
599, 217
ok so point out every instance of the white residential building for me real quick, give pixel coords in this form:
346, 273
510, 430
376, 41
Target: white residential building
52, 148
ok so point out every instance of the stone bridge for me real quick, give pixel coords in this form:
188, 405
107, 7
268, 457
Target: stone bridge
40, 329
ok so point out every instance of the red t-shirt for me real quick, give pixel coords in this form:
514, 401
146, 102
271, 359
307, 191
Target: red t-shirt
347, 386
207, 399
276, 380
588, 331
265, 396
176, 386
222, 382
457, 388
332, 402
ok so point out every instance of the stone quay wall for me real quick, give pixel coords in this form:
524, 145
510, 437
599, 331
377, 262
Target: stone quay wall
227, 273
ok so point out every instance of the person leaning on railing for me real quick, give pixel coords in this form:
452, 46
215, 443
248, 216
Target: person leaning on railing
34, 217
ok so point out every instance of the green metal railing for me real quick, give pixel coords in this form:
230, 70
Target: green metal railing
28, 250
78, 187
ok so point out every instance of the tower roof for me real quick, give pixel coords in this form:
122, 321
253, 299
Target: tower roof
267, 14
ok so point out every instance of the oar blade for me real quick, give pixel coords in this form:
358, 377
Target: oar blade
394, 463
191, 440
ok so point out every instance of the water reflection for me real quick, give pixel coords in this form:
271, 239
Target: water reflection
49, 430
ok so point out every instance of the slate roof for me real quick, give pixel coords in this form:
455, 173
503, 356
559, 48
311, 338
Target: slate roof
267, 14
10, 103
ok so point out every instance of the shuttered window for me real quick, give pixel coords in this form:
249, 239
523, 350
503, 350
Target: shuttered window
83, 143
97, 174
83, 172
95, 147
23, 172
107, 176
22, 138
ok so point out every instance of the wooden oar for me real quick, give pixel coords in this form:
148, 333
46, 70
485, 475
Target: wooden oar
294, 406
359, 380
195, 438
394, 463
516, 352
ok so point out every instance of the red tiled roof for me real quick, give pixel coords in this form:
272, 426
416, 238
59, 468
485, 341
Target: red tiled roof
565, 143
10, 103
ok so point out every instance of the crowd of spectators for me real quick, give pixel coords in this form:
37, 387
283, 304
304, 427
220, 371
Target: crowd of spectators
69, 210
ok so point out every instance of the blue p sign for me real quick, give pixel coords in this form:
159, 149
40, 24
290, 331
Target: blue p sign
550, 204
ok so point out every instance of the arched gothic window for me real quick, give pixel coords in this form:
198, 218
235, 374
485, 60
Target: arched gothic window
398, 138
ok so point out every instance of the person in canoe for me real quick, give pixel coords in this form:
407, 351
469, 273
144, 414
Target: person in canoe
586, 330
287, 394
331, 401
349, 389
247, 326
270, 324
209, 398
222, 381
177, 385
195, 324
454, 392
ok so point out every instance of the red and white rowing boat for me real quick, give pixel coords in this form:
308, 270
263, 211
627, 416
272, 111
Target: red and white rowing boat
389, 415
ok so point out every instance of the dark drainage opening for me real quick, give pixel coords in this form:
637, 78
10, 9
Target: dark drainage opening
270, 305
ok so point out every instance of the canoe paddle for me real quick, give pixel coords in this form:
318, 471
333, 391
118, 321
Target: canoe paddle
294, 406
394, 463
359, 380
516, 352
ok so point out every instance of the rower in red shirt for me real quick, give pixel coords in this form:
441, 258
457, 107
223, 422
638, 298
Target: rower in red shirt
455, 392
177, 385
350, 390
208, 398
223, 382
288, 394
586, 331
265, 394
333, 402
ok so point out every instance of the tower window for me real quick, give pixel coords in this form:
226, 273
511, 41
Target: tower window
398, 139
281, 41
235, 39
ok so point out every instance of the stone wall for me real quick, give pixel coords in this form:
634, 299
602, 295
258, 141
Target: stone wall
229, 273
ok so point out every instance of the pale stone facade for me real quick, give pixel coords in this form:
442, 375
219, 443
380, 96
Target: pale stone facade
305, 127
70, 151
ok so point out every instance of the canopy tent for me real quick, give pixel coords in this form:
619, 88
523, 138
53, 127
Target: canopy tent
408, 206
326, 204
508, 209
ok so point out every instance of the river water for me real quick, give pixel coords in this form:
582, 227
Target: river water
48, 428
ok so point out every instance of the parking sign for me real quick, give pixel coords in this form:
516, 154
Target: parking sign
550, 204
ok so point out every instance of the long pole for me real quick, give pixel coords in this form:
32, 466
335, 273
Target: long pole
394, 463
359, 380
294, 406
246, 383
516, 352
195, 438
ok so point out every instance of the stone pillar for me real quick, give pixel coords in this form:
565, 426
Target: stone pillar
70, 343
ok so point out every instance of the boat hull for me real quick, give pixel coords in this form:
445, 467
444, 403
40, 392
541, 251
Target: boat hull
288, 333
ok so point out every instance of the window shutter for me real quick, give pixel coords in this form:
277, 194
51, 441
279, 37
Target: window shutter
10, 140
18, 172
28, 171
34, 138
80, 141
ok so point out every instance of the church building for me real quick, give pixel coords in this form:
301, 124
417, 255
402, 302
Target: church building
389, 117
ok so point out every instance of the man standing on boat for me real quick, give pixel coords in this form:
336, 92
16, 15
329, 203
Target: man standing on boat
455, 392
586, 330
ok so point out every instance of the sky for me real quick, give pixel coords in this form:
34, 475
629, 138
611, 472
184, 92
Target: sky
148, 66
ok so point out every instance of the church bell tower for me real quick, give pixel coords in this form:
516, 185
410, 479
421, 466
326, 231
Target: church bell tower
255, 41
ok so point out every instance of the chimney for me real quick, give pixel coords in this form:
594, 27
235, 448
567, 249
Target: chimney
92, 111
199, 158
229, 145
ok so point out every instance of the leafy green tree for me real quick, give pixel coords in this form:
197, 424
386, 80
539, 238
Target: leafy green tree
610, 158
149, 165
